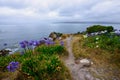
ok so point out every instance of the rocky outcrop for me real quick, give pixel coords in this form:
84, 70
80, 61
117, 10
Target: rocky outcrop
4, 52
55, 35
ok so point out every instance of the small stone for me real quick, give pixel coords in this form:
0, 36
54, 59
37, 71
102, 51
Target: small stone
85, 62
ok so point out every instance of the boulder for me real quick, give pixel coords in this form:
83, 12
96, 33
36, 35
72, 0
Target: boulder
55, 35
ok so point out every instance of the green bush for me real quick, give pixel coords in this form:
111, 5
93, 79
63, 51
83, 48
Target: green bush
43, 63
98, 28
43, 66
107, 41
54, 49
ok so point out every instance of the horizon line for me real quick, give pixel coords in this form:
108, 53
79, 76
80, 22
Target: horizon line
90, 22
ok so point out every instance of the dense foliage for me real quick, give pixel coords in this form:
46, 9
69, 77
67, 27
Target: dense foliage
108, 41
41, 61
99, 28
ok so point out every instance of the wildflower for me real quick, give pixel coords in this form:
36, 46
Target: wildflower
85, 36
30, 43
97, 46
47, 42
22, 45
42, 41
97, 38
96, 42
26, 42
13, 66
105, 31
36, 43
61, 43
52, 43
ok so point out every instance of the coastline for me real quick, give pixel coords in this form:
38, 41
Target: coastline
83, 55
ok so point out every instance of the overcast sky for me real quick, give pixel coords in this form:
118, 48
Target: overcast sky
59, 10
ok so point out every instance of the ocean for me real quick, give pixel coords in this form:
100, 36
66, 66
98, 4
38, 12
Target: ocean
13, 34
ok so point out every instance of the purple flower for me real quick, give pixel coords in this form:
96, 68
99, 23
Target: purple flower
47, 42
61, 43
52, 43
26, 42
13, 66
42, 41
35, 43
22, 45
30, 43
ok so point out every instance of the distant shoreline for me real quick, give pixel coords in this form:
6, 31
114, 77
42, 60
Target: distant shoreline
88, 22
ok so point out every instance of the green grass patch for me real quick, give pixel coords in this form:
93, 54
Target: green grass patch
107, 41
53, 49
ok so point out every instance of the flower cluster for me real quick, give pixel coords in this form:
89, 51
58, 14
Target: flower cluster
117, 32
13, 66
26, 44
30, 45
61, 43
96, 33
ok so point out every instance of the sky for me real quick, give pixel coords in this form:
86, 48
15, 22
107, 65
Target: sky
59, 10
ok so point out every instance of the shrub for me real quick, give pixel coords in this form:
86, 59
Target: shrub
44, 66
107, 41
55, 49
98, 28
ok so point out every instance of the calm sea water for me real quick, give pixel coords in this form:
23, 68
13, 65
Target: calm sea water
13, 34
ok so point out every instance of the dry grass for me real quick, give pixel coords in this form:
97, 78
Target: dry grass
102, 59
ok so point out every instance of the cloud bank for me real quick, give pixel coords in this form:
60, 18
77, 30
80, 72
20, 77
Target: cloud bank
63, 10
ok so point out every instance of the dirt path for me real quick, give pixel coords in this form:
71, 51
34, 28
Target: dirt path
78, 72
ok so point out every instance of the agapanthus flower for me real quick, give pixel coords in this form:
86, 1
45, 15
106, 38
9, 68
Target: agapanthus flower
42, 41
13, 66
31, 43
61, 43
36, 43
48, 41
22, 45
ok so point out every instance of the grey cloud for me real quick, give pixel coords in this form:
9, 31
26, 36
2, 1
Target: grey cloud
105, 10
17, 4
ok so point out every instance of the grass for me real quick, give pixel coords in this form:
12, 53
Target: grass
105, 57
57, 49
43, 64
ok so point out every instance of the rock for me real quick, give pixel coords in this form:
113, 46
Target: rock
4, 52
85, 62
55, 35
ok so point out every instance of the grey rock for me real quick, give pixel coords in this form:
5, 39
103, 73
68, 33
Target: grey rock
85, 62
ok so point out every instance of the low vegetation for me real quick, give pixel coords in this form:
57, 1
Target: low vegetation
41, 60
103, 49
41, 63
98, 28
